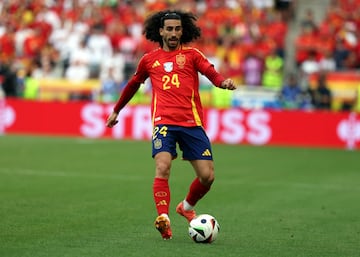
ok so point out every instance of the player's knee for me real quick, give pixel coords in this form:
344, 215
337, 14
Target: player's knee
211, 179
163, 169
162, 165
207, 179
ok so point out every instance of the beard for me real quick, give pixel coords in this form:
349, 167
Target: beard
172, 43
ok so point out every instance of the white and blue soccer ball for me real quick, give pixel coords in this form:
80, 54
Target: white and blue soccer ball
204, 228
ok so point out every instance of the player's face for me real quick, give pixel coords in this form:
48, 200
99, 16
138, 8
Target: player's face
171, 34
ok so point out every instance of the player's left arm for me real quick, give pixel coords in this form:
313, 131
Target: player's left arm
218, 80
208, 70
228, 84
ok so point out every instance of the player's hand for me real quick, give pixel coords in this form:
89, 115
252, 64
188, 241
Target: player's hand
228, 84
112, 120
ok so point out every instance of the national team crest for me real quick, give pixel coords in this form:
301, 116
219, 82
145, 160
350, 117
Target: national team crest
180, 60
168, 66
157, 143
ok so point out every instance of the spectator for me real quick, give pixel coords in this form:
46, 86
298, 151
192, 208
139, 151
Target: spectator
21, 34
115, 65
308, 20
79, 65
351, 62
276, 30
324, 44
348, 35
100, 46
8, 79
252, 69
340, 54
49, 16
110, 87
286, 8
31, 86
112, 77
273, 71
304, 44
33, 43
321, 96
310, 65
292, 96
7, 41
68, 39
46, 63
327, 62
127, 49
77, 72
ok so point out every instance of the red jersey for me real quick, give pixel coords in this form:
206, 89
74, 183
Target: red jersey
174, 78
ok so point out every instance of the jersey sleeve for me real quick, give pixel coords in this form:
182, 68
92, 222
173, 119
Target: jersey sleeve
141, 73
132, 86
207, 69
215, 77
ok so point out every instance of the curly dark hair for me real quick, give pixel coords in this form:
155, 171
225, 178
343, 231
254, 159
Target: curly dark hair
154, 22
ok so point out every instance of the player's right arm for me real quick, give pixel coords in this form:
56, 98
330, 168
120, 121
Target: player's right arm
128, 92
112, 120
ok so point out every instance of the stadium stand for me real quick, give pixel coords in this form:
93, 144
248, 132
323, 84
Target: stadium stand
46, 40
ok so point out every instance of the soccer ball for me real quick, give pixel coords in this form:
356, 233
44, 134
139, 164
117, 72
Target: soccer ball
204, 228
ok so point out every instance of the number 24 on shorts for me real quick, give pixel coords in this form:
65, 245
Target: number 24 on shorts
159, 130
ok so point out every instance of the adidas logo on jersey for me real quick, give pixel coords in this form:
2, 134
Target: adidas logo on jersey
206, 153
155, 64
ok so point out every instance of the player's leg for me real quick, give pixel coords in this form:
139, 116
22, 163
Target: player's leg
161, 187
196, 148
161, 193
164, 150
204, 170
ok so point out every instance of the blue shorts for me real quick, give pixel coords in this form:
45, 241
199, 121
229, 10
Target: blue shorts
192, 141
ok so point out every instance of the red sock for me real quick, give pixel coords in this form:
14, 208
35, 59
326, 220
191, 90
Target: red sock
161, 192
196, 192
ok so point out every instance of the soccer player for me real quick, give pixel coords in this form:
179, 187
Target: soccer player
177, 114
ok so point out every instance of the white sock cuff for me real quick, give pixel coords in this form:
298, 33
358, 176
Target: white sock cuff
187, 206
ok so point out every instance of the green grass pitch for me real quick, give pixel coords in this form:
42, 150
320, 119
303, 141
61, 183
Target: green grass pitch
71, 197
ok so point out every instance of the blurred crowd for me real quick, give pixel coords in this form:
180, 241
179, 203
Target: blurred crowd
94, 39
78, 40
334, 42
329, 45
